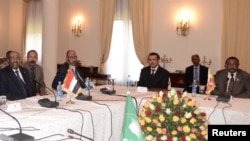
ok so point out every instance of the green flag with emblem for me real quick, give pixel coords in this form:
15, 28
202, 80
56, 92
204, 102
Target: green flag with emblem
131, 127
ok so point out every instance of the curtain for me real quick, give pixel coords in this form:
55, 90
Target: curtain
107, 8
33, 27
141, 15
122, 60
236, 31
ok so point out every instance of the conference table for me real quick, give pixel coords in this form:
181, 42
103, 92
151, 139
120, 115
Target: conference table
101, 119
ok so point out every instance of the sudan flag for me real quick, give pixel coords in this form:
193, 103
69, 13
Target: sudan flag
70, 84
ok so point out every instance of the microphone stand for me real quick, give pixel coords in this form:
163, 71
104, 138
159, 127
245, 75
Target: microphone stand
73, 132
45, 102
19, 136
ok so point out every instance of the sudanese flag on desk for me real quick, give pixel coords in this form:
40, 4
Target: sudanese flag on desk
70, 84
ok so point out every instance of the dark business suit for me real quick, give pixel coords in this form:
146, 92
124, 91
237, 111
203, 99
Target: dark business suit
159, 80
62, 72
189, 77
10, 85
241, 86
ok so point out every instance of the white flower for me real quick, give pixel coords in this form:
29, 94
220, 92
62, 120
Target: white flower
168, 111
175, 139
160, 93
184, 94
164, 137
151, 106
149, 137
188, 115
188, 138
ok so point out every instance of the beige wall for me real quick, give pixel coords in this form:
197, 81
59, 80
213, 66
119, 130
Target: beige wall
204, 37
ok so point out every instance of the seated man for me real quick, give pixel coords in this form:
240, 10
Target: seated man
195, 73
5, 63
154, 76
240, 80
15, 81
71, 59
36, 72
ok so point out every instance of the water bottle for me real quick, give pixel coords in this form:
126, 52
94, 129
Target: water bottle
128, 81
87, 86
59, 92
194, 88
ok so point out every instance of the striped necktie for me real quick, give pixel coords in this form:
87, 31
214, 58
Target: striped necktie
23, 87
231, 85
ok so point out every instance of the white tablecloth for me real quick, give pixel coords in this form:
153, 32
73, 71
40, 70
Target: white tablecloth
107, 116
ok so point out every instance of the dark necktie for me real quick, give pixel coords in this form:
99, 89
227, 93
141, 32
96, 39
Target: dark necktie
32, 72
24, 91
196, 73
152, 72
231, 84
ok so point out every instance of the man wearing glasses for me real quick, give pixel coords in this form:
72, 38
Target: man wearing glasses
71, 60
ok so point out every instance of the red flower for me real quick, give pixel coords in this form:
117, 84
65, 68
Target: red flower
158, 109
148, 113
178, 113
183, 138
194, 115
164, 96
201, 136
169, 138
203, 114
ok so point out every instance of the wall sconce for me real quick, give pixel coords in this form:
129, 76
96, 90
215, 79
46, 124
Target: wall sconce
205, 62
165, 60
77, 27
182, 27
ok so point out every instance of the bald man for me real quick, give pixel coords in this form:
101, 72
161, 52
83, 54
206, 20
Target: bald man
71, 60
15, 80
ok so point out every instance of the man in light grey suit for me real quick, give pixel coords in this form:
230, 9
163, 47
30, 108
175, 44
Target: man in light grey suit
241, 86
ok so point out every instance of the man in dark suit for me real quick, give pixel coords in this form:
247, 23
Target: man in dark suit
71, 60
241, 78
154, 76
195, 73
15, 81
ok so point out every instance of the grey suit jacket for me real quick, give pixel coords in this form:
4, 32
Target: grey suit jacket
39, 77
241, 86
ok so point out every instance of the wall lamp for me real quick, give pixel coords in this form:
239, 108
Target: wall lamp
183, 26
77, 27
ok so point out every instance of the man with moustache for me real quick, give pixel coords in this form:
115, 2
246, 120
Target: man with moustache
71, 60
15, 81
240, 80
36, 72
154, 76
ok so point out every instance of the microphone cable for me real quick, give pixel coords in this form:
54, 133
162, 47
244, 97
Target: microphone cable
28, 128
229, 105
76, 112
91, 121
136, 103
213, 111
111, 129
49, 136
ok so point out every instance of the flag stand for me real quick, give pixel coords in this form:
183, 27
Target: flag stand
207, 97
70, 101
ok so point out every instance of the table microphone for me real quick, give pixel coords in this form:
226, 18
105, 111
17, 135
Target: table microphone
45, 102
19, 136
73, 132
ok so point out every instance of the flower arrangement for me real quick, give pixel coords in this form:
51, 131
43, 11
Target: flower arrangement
172, 116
